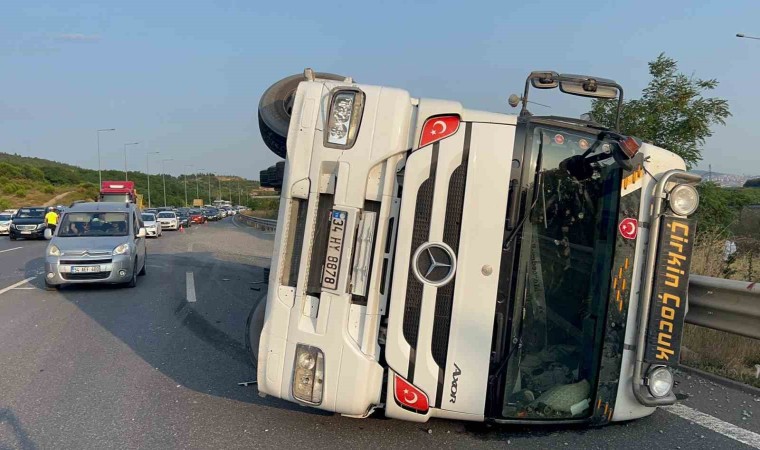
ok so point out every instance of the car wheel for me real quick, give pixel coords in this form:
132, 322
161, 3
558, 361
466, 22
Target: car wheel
133, 281
143, 271
275, 108
253, 328
13, 238
52, 287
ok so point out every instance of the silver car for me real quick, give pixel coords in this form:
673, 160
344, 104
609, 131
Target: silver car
97, 243
5, 222
152, 225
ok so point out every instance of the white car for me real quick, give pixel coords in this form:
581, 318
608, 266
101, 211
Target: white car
152, 225
168, 220
5, 222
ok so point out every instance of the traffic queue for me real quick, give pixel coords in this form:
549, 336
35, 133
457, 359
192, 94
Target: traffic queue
31, 222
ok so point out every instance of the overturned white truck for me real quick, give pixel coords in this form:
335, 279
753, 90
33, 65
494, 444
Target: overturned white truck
436, 261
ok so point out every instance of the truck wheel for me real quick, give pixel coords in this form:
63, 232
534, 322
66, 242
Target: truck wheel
253, 328
276, 106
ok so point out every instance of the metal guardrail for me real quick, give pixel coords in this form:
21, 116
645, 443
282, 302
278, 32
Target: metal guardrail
255, 222
725, 305
716, 303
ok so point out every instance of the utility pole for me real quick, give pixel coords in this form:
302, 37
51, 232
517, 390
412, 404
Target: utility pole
209, 189
197, 187
220, 187
147, 171
163, 174
185, 176
126, 174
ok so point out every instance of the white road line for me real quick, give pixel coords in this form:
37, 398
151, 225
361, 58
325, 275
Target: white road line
14, 286
190, 283
726, 429
10, 249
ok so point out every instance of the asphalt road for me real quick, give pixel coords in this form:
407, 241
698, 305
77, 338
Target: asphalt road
106, 367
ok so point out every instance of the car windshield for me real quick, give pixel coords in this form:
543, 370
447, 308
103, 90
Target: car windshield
5, 217
80, 224
166, 215
565, 264
148, 217
30, 213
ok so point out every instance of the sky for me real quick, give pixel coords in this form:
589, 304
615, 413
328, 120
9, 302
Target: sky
184, 78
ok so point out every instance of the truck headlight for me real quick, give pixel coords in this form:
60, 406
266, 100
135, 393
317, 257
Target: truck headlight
346, 108
683, 199
660, 381
308, 374
123, 249
54, 251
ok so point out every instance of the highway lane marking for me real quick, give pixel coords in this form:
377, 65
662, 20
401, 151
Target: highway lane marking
190, 287
726, 429
10, 249
14, 286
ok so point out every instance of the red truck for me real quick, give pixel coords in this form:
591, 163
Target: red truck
119, 191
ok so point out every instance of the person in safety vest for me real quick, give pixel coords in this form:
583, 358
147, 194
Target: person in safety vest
51, 219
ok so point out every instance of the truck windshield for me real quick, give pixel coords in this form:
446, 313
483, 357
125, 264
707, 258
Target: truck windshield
565, 257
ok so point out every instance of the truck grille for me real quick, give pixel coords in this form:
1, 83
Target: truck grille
445, 295
420, 235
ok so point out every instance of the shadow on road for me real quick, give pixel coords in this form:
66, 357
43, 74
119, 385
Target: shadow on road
199, 345
12, 434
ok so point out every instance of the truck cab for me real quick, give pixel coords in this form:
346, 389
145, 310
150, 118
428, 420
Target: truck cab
436, 261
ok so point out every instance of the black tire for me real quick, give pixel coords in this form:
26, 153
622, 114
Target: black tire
276, 106
133, 281
253, 327
12, 237
52, 287
144, 271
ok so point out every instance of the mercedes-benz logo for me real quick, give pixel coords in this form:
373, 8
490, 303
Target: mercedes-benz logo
434, 263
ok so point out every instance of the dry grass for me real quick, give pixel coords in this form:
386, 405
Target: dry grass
714, 351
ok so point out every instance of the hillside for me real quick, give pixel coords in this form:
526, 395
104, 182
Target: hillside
35, 181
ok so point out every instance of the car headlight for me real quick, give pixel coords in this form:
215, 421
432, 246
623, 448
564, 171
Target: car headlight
683, 199
54, 251
308, 374
41, 226
346, 108
123, 249
660, 381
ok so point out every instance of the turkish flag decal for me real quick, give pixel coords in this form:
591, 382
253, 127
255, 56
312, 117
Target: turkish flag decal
629, 228
410, 396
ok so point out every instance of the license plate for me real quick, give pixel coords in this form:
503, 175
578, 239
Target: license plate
668, 308
26, 232
331, 272
85, 269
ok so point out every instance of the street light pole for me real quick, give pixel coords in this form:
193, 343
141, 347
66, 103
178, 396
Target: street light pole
100, 177
742, 35
185, 176
126, 175
163, 175
147, 171
220, 187
209, 188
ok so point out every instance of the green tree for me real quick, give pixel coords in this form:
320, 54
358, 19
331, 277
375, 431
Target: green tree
672, 113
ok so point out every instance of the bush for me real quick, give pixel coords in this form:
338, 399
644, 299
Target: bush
48, 189
8, 170
4, 204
